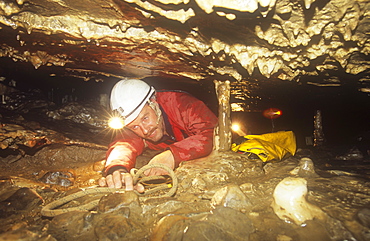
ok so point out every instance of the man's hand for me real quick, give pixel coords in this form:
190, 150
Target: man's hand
119, 179
165, 158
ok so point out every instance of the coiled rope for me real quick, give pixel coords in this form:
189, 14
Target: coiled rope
50, 211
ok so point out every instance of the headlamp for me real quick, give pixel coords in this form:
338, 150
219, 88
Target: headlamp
235, 127
116, 121
272, 113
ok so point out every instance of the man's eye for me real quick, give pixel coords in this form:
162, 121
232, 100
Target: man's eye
135, 127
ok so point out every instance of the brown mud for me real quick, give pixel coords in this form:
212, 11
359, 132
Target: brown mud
225, 196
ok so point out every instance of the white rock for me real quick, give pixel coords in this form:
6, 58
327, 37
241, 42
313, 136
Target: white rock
290, 202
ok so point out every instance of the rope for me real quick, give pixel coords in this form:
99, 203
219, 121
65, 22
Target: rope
50, 211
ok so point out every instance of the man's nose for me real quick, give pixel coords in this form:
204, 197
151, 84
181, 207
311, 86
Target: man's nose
144, 128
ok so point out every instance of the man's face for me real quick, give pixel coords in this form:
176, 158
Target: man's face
146, 126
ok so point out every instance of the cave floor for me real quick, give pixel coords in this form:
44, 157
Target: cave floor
225, 196
341, 190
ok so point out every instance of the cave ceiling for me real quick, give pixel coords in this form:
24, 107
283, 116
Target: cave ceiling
252, 43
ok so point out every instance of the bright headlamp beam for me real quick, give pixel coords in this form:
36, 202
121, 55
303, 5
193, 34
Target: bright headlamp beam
235, 127
116, 123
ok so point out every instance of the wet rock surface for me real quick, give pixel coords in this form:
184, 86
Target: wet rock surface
222, 197
225, 196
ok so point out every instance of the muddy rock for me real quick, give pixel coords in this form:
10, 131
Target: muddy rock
364, 217
117, 227
162, 230
115, 201
89, 113
205, 176
177, 207
22, 233
118, 217
63, 178
222, 203
59, 153
23, 200
239, 225
13, 135
225, 196
24, 102
231, 196
209, 226
76, 225
305, 168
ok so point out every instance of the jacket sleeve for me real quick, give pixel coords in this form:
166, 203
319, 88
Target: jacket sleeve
198, 121
122, 153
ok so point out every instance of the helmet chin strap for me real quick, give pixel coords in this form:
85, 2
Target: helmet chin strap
154, 105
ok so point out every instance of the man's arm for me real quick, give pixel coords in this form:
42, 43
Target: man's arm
123, 152
198, 122
121, 157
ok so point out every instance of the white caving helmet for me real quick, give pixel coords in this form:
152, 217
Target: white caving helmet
129, 96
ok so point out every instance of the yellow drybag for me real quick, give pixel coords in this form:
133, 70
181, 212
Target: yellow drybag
270, 146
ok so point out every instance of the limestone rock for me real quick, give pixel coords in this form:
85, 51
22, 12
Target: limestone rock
290, 202
231, 196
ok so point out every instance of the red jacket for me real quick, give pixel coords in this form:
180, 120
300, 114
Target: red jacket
189, 122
